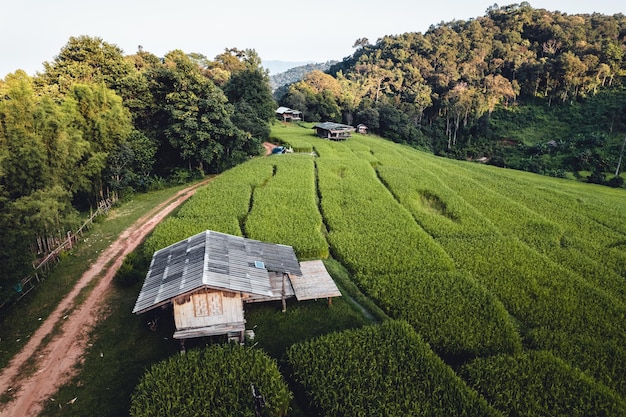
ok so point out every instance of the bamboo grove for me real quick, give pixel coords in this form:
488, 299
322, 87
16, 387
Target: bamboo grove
97, 124
491, 274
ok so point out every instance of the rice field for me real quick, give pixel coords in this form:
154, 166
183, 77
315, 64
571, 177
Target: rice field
490, 268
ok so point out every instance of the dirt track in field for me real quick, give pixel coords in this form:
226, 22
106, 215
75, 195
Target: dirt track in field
54, 358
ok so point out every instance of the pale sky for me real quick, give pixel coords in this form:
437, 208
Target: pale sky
32, 32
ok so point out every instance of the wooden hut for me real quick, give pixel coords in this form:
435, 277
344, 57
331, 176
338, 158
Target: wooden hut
288, 115
333, 131
208, 277
362, 129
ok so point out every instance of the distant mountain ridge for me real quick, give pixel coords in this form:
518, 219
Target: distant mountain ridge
296, 74
276, 67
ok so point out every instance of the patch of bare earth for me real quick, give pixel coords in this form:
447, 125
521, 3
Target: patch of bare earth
54, 359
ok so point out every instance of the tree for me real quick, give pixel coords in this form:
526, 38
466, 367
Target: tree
105, 123
497, 89
232, 60
361, 43
39, 147
197, 116
295, 99
250, 92
128, 167
369, 117
24, 159
572, 72
86, 59
458, 105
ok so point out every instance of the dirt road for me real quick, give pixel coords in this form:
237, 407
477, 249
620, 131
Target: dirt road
54, 359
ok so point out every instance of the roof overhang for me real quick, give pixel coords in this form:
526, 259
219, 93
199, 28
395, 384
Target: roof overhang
213, 260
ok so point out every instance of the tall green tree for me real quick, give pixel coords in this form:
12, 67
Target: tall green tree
105, 123
39, 148
88, 60
130, 166
196, 116
249, 91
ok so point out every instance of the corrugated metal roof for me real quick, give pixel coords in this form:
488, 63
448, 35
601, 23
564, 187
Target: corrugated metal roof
215, 260
333, 126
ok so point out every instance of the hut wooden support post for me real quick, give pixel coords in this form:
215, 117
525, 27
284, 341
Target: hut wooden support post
283, 294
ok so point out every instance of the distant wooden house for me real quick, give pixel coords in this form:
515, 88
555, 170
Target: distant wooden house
288, 115
333, 131
208, 277
362, 129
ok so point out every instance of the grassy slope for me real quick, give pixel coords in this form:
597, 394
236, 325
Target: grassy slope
21, 320
123, 346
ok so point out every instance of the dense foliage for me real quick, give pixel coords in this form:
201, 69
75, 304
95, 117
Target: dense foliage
97, 124
383, 370
219, 380
518, 87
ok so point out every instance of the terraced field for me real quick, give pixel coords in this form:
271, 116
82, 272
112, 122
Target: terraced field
492, 275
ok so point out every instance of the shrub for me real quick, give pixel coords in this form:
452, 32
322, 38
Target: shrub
616, 182
215, 381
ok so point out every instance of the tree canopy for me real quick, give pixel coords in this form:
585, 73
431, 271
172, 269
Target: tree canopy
449, 88
98, 123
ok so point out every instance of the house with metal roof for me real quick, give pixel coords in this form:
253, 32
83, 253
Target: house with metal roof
208, 277
333, 131
288, 115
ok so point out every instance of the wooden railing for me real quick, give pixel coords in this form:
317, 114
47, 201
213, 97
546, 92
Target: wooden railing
29, 283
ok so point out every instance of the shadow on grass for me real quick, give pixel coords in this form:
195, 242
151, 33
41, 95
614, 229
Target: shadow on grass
123, 347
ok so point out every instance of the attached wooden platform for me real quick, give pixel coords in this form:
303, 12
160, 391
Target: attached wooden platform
276, 282
216, 330
314, 283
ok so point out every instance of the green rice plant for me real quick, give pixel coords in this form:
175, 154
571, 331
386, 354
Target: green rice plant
601, 358
284, 208
299, 146
215, 381
544, 295
382, 370
328, 149
222, 206
563, 222
412, 280
537, 383
456, 315
550, 253
434, 205
368, 230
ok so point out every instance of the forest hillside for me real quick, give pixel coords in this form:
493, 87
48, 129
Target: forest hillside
519, 87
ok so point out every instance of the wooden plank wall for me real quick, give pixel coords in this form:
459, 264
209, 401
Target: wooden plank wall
207, 307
